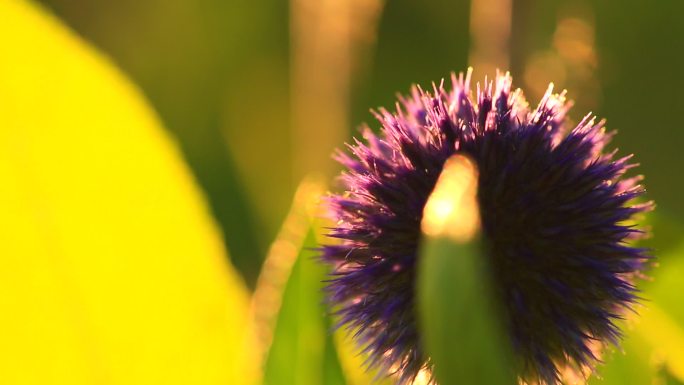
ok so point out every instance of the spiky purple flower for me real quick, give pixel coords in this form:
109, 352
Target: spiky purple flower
554, 207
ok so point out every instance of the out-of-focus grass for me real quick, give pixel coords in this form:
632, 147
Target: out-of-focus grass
303, 350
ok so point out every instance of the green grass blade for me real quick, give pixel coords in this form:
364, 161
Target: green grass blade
302, 350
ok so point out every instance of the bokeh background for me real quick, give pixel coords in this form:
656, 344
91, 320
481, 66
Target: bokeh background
258, 93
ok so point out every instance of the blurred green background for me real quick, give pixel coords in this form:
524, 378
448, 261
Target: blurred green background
238, 82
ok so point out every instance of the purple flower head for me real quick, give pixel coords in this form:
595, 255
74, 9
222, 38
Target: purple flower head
555, 208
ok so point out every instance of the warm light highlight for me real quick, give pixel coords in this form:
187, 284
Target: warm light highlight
452, 209
423, 378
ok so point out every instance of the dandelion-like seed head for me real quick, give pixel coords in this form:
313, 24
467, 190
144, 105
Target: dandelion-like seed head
555, 210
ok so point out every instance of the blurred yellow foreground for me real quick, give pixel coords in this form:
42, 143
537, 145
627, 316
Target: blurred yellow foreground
112, 270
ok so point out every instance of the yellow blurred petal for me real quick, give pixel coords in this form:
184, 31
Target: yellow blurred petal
112, 270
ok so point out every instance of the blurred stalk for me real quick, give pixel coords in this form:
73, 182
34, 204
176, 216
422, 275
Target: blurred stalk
328, 39
490, 31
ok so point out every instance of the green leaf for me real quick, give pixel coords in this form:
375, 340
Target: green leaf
302, 351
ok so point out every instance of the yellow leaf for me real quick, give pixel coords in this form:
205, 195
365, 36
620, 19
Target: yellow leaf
112, 270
